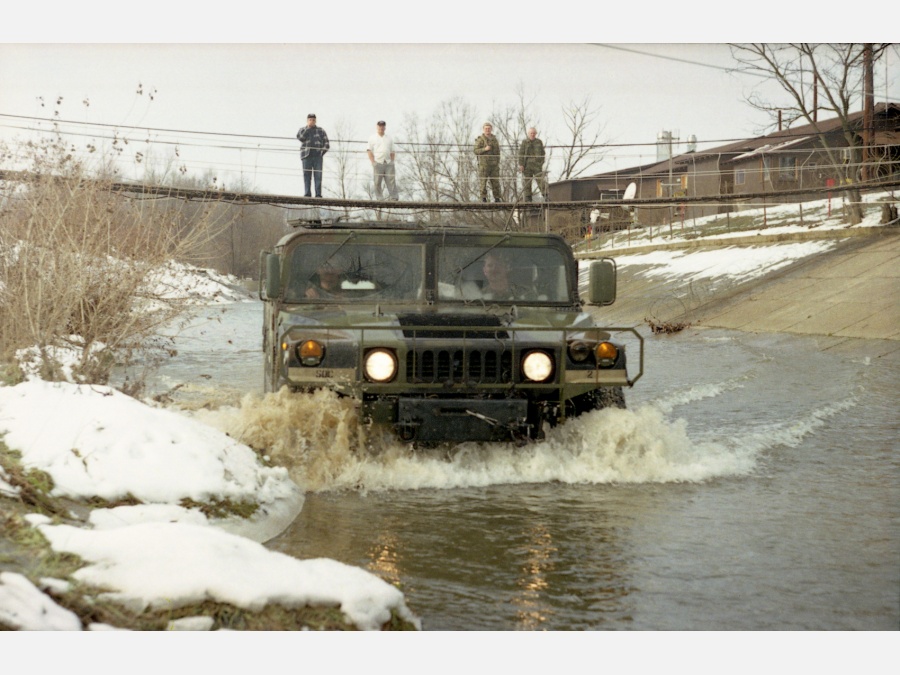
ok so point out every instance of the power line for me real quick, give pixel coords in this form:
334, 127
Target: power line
410, 144
663, 57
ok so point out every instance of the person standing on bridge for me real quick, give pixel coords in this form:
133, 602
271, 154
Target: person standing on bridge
381, 155
313, 146
531, 163
487, 150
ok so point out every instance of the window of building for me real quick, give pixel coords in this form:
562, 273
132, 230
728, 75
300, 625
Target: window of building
787, 168
739, 177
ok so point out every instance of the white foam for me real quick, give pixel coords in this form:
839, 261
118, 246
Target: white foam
318, 438
696, 393
788, 433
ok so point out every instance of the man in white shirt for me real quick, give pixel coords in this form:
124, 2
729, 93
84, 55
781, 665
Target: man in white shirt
381, 154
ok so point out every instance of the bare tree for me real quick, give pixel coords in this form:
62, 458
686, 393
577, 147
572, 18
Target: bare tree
510, 125
346, 160
815, 77
579, 151
441, 165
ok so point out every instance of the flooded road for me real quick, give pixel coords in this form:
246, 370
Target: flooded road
752, 484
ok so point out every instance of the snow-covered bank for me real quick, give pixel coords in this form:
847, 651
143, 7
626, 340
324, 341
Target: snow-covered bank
104, 444
197, 285
766, 271
166, 565
174, 538
741, 263
822, 216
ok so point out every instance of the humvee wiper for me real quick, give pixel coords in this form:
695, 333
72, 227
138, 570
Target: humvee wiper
331, 255
481, 255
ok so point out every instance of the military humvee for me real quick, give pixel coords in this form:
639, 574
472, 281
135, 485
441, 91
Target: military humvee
441, 334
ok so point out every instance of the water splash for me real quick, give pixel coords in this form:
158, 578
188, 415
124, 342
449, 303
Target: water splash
319, 439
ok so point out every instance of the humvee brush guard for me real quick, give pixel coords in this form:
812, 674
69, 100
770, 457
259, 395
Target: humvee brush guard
443, 335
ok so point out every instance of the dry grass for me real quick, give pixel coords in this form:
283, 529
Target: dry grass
666, 327
77, 263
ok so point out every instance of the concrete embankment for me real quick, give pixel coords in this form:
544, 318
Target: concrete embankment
847, 292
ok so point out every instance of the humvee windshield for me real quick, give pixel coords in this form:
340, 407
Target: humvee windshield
502, 273
352, 271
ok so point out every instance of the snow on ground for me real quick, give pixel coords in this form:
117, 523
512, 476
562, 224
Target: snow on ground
779, 219
101, 443
95, 441
732, 262
137, 561
736, 263
202, 286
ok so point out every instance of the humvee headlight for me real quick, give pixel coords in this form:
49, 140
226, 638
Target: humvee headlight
606, 353
579, 351
380, 365
310, 352
537, 366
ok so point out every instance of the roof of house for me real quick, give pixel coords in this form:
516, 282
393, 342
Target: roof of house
751, 147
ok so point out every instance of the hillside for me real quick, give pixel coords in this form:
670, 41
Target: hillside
772, 274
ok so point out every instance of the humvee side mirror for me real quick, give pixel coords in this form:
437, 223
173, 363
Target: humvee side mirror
273, 275
602, 282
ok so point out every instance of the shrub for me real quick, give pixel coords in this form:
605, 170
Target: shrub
79, 256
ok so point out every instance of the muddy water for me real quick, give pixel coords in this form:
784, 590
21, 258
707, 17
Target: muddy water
753, 483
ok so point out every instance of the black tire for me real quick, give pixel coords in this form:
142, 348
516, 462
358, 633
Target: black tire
611, 397
607, 397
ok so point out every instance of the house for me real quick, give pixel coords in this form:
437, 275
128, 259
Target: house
788, 159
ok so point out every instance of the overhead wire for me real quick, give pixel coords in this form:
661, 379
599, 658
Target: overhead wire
461, 146
265, 168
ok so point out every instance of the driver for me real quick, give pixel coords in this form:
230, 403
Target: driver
326, 282
496, 269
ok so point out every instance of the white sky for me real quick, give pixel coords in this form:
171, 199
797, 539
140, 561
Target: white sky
384, 61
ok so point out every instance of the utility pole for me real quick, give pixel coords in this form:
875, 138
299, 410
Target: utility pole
868, 111
671, 208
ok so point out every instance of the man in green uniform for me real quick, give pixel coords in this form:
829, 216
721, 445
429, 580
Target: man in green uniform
487, 150
531, 163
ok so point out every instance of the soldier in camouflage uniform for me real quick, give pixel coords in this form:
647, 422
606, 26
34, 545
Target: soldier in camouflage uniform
531, 163
487, 150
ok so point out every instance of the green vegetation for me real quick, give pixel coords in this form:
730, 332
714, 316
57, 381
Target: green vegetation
221, 508
34, 486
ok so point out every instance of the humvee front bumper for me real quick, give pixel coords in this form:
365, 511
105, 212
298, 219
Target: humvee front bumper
455, 383
459, 420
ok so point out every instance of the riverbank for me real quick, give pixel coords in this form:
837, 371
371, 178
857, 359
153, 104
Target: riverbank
123, 515
837, 283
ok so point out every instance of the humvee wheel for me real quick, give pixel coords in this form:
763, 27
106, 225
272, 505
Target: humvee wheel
607, 397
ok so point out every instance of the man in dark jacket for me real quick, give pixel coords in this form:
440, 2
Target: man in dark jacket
313, 146
531, 163
487, 150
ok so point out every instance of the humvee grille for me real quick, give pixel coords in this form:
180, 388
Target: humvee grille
459, 366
